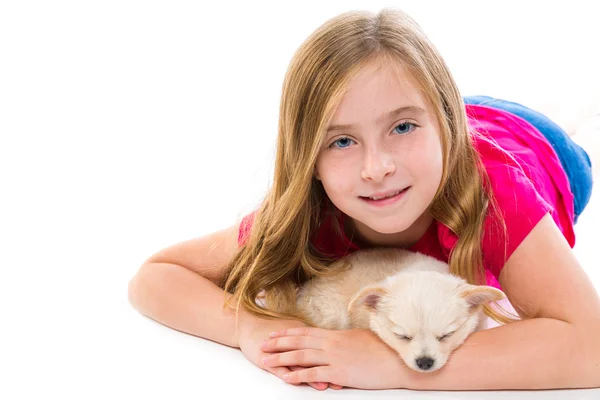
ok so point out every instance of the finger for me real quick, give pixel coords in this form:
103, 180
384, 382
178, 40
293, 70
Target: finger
279, 372
289, 343
315, 374
303, 358
300, 331
335, 387
314, 385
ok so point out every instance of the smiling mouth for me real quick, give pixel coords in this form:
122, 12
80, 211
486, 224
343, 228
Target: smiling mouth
385, 197
376, 198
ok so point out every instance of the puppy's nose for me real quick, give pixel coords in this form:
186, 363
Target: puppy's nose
425, 363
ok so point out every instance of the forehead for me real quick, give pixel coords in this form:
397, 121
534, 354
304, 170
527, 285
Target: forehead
427, 303
377, 89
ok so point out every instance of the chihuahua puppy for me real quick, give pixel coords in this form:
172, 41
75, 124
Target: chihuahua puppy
410, 300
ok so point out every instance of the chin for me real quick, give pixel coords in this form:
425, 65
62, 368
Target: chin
389, 228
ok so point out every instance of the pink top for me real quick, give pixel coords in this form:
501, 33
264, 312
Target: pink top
527, 180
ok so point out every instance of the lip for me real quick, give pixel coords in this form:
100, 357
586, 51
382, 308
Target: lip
387, 200
384, 194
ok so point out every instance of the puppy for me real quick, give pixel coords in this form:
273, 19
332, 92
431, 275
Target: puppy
410, 300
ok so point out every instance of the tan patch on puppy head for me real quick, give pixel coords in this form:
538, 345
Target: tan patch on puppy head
480, 295
368, 297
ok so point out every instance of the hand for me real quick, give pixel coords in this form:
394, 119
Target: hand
355, 357
253, 331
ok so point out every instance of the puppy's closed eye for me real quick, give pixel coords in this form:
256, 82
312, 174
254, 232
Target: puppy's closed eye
404, 337
447, 335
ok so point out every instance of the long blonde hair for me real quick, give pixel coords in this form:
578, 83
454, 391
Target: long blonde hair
278, 254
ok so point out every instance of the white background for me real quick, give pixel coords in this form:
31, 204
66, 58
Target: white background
127, 126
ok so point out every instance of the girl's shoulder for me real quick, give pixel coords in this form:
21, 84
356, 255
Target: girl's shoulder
522, 166
525, 180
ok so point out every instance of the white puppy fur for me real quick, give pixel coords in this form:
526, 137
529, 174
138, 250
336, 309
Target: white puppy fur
410, 300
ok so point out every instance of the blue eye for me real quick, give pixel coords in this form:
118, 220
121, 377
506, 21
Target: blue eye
405, 127
341, 143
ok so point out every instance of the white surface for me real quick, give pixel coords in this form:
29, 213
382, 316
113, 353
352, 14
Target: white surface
128, 126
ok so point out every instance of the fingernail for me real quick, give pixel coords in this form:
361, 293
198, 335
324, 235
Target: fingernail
286, 376
265, 360
272, 334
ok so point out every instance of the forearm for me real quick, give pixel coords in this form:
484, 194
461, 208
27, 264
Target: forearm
183, 300
534, 354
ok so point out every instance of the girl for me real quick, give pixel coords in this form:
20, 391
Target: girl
376, 147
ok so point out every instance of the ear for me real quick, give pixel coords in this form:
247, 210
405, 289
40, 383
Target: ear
316, 174
480, 295
367, 297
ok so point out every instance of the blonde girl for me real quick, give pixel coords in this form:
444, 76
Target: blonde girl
376, 147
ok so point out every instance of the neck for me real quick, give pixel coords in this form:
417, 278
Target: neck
365, 237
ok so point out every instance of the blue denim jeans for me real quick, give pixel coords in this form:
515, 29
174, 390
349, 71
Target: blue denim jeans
574, 160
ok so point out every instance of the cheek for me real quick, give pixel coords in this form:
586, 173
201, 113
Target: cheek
333, 175
426, 159
381, 326
401, 346
456, 340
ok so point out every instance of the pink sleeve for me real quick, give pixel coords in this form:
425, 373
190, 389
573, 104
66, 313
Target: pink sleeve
527, 182
245, 227
521, 207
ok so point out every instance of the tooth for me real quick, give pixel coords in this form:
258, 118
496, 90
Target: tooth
385, 197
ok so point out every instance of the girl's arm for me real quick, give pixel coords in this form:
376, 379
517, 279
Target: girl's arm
176, 287
558, 348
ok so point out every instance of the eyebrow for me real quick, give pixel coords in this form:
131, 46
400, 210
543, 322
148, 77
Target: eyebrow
408, 109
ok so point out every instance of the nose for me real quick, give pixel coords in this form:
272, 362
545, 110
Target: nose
377, 165
425, 363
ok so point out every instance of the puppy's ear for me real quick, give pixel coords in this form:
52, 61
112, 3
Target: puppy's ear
480, 295
368, 297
